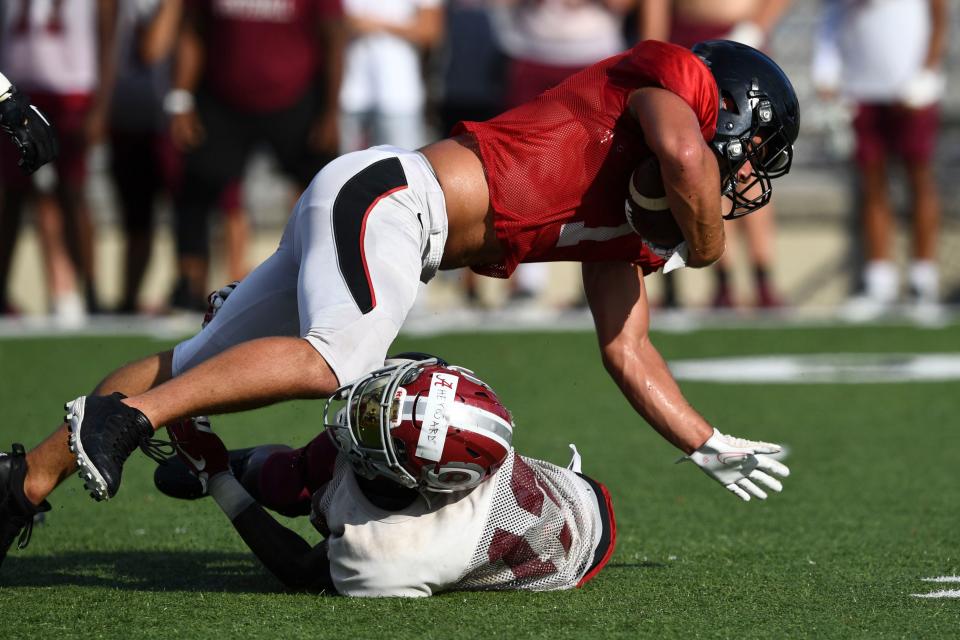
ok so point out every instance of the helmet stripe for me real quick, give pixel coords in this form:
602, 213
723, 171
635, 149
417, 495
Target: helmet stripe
469, 418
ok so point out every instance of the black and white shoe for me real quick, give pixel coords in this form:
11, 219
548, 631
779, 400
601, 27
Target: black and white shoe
16, 511
103, 433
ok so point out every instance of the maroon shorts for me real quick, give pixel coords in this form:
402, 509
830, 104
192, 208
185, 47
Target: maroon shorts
68, 113
884, 129
687, 33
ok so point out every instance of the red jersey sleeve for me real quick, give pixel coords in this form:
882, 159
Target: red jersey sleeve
677, 70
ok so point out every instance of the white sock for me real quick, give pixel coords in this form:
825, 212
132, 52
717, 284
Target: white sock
925, 280
881, 280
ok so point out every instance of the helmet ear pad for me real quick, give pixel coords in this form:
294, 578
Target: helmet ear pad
454, 476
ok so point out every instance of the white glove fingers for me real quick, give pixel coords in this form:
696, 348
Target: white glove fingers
770, 465
740, 493
765, 480
752, 489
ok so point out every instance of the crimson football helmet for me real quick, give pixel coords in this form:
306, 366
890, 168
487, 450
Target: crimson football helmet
759, 121
422, 423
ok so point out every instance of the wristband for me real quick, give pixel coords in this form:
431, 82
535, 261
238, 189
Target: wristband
229, 494
177, 102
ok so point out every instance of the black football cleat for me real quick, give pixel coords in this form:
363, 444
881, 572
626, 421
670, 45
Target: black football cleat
103, 434
174, 478
16, 511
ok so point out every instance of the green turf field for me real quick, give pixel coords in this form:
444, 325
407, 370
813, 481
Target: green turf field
870, 509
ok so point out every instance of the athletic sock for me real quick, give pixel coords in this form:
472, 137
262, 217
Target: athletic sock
881, 280
925, 280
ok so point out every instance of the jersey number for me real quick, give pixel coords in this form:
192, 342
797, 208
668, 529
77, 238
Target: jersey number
515, 551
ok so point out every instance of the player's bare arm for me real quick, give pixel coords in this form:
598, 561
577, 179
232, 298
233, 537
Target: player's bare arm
618, 300
186, 131
331, 40
160, 34
653, 20
107, 11
691, 176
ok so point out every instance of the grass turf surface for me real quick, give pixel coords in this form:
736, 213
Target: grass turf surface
871, 508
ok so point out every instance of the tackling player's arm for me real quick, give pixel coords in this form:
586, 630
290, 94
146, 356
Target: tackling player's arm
618, 300
284, 553
691, 175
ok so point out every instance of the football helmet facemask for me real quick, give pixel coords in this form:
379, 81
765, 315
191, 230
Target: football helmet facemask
421, 423
759, 121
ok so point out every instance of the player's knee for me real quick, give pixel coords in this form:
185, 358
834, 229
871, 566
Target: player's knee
318, 379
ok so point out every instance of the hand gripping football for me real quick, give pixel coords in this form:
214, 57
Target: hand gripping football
647, 209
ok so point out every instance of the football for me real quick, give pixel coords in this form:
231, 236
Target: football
647, 209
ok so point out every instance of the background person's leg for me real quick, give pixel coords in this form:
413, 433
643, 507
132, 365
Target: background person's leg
208, 169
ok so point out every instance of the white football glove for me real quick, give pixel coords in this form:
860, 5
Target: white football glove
739, 465
215, 300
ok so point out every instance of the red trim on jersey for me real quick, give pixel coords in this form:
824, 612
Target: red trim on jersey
613, 538
363, 232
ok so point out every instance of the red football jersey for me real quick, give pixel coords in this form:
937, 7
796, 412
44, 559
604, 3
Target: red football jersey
263, 56
558, 167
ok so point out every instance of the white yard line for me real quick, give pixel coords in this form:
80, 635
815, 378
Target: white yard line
943, 579
942, 594
947, 593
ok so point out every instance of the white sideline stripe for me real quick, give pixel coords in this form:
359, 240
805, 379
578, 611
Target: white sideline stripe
516, 319
821, 368
943, 579
947, 593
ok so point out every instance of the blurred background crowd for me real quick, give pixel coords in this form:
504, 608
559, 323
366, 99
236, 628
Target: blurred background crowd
189, 127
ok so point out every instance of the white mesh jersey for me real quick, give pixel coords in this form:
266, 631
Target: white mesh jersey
532, 526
